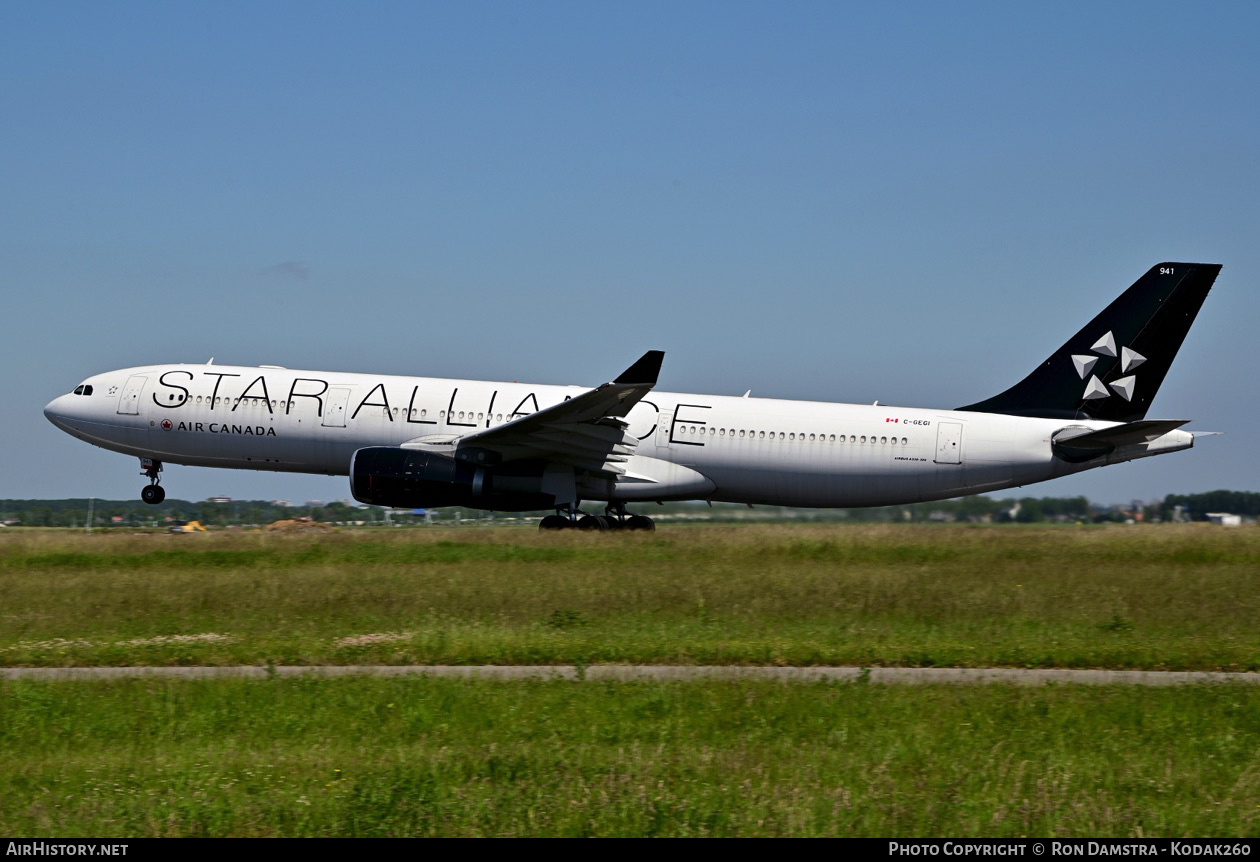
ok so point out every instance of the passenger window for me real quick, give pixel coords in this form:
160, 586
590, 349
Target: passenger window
811, 438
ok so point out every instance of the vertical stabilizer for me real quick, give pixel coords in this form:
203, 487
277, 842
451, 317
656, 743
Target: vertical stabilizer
1112, 368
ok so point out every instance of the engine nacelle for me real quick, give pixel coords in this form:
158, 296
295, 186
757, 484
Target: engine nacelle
418, 479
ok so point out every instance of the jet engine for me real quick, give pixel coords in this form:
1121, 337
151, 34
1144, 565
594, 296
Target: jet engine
416, 479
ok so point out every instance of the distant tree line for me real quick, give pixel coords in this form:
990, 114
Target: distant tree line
134, 513
976, 509
1196, 506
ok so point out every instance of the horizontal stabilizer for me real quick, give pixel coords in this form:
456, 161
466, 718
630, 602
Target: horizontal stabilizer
1078, 443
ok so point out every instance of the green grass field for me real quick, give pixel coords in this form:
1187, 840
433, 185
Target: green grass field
1184, 598
370, 757
359, 756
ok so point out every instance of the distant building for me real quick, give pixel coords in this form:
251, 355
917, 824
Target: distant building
219, 500
1225, 519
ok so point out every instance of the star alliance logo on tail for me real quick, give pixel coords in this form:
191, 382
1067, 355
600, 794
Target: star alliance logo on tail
1095, 388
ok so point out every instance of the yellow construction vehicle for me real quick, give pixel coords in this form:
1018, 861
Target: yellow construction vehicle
181, 527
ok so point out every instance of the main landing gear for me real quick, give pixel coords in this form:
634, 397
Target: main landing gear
614, 518
153, 493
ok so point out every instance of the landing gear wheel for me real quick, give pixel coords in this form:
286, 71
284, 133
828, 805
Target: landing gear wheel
640, 522
554, 522
592, 522
153, 494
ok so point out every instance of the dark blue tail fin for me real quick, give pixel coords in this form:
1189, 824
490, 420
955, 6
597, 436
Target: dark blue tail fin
1112, 368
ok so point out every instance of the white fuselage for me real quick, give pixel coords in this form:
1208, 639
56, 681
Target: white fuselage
748, 450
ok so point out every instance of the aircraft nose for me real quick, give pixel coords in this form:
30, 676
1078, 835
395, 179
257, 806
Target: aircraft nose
55, 410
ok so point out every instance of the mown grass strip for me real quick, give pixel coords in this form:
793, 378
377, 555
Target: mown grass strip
416, 757
1171, 598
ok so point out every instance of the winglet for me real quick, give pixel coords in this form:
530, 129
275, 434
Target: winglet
645, 371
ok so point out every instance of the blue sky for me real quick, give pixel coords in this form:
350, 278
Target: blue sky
910, 202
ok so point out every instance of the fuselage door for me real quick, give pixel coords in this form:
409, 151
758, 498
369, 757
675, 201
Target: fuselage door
129, 401
664, 424
949, 443
335, 409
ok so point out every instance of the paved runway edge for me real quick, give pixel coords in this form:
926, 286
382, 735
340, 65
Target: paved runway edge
660, 673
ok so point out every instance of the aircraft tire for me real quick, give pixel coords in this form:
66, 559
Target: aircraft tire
640, 522
592, 522
152, 494
554, 522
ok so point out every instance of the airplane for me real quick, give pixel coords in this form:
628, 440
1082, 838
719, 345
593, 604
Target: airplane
421, 443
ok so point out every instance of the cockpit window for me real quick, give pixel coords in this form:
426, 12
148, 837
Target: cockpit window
83, 389
87, 390
78, 390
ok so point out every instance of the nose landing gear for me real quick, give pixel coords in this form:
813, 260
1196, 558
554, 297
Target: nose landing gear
153, 493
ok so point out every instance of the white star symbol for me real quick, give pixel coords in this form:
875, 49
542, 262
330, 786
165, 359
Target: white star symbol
1106, 346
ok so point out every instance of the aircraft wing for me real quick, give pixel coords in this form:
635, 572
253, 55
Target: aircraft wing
587, 431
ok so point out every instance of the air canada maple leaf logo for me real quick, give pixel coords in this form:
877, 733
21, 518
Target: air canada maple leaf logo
1095, 388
